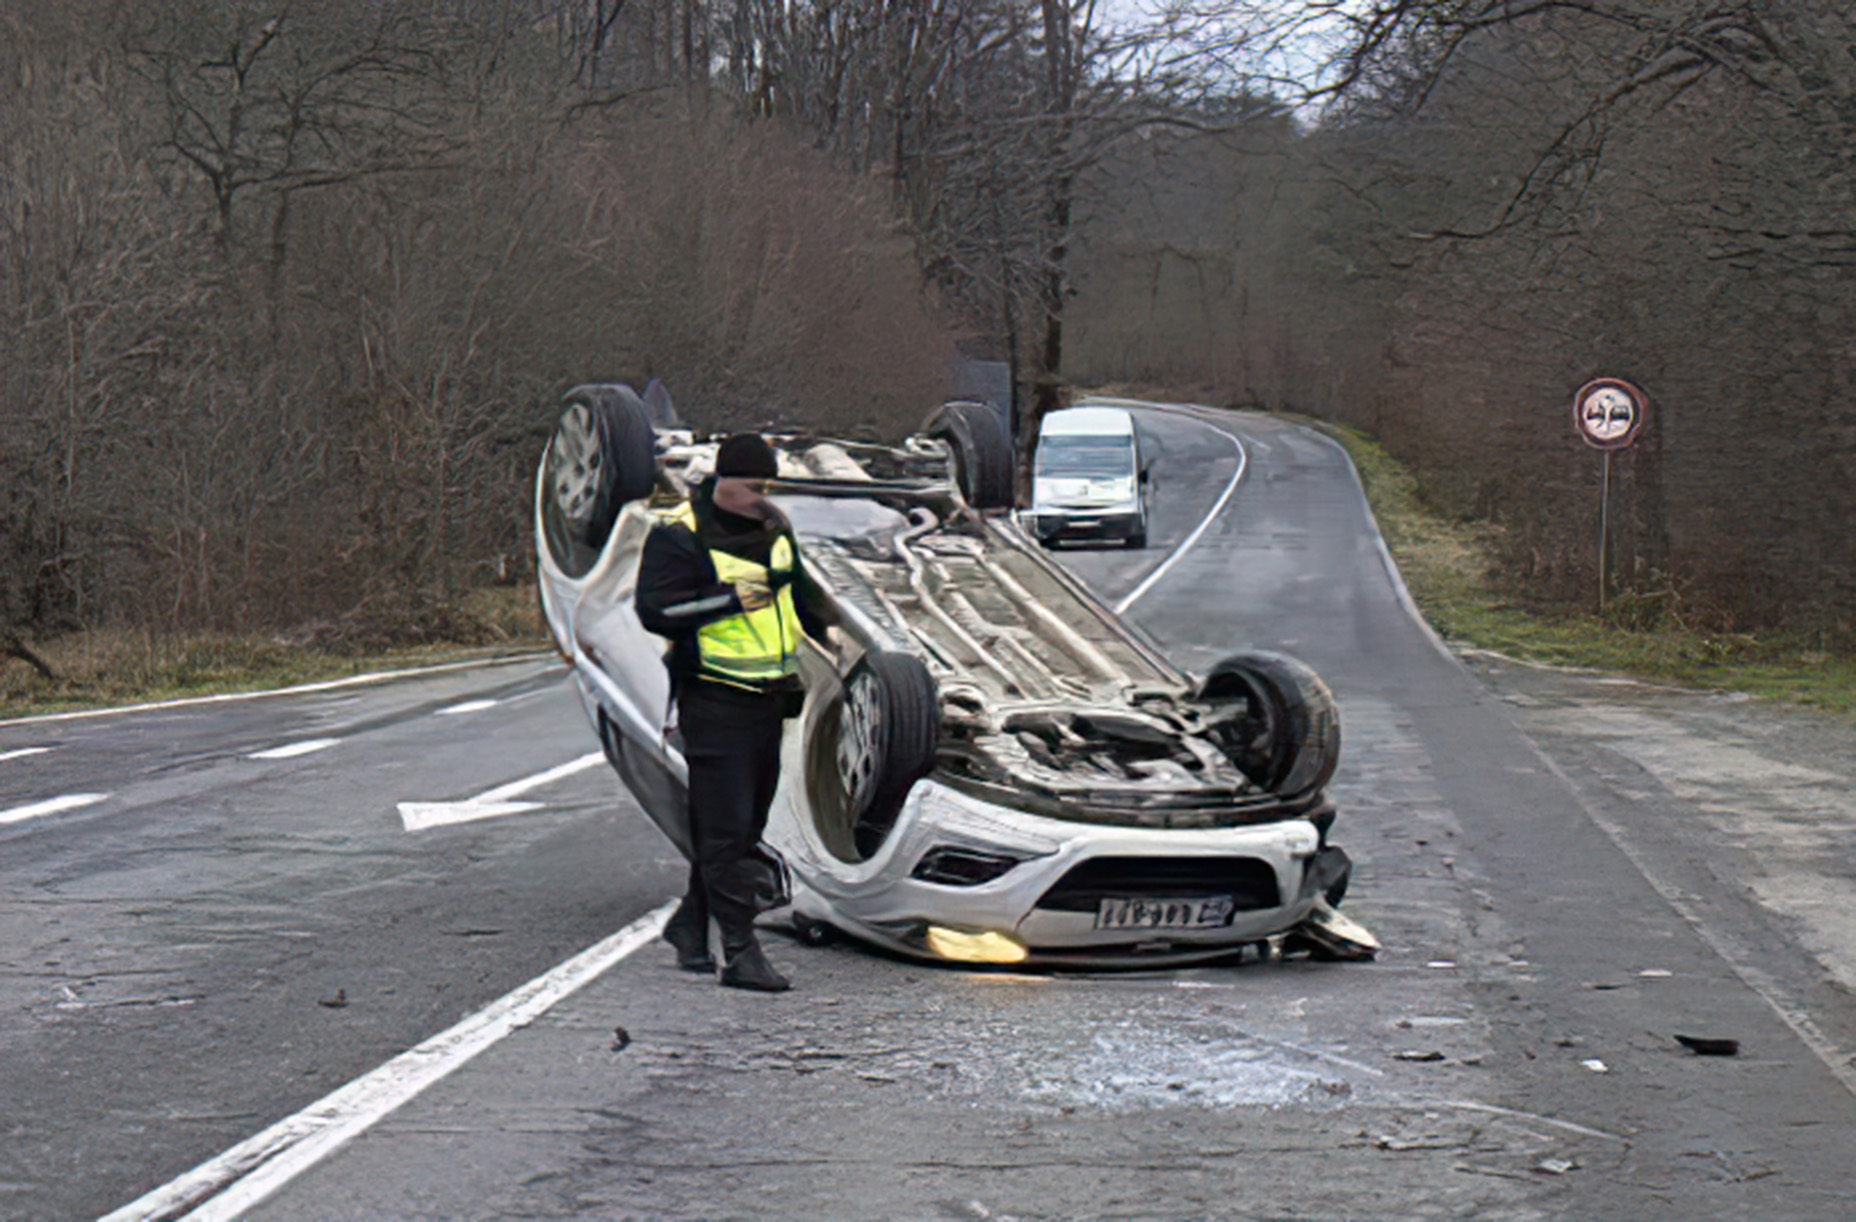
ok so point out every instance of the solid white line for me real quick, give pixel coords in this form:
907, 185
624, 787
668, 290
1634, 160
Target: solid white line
238, 1180
23, 751
469, 706
1400, 590
1173, 558
291, 750
50, 806
380, 676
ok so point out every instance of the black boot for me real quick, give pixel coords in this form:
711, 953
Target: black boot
748, 967
688, 931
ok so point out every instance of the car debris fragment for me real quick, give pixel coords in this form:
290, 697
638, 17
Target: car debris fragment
1705, 1046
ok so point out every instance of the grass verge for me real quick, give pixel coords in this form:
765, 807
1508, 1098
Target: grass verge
112, 668
1446, 564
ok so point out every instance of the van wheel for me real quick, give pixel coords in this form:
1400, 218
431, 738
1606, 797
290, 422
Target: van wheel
1287, 738
982, 452
1136, 541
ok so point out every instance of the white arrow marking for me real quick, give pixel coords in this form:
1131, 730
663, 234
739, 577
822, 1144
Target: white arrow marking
469, 706
418, 816
23, 751
50, 806
289, 750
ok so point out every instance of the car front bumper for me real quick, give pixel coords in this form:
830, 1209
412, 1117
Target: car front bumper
1071, 884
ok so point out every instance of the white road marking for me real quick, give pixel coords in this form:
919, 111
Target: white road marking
291, 750
1185, 545
326, 685
469, 706
228, 1186
22, 752
50, 806
418, 816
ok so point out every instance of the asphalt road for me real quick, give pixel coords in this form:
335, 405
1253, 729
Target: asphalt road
223, 940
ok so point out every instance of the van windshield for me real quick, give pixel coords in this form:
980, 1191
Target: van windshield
1085, 457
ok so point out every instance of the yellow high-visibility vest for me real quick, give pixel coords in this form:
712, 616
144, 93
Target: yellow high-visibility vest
754, 648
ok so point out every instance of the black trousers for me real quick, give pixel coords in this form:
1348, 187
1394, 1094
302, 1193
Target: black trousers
731, 738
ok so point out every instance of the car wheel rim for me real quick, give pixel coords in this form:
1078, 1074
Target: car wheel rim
576, 463
858, 727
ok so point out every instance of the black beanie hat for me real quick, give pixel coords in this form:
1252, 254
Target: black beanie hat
746, 456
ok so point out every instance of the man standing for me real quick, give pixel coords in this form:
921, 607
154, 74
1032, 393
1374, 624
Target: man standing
724, 582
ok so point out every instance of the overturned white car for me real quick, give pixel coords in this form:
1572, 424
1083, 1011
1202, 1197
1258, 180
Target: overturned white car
990, 766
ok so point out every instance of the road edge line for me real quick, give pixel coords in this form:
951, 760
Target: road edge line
225, 1186
1778, 999
323, 685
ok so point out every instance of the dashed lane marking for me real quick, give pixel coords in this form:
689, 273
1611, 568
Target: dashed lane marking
21, 752
291, 750
231, 1185
51, 806
417, 816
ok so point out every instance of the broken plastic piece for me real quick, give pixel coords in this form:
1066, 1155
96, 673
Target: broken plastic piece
1703, 1046
1336, 936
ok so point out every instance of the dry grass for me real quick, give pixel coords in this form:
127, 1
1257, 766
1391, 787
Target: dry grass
109, 668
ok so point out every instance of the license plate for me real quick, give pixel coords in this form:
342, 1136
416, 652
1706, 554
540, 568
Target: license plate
1205, 912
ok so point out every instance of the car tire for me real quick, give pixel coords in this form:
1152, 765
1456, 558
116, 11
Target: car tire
603, 456
1288, 740
982, 452
1136, 541
876, 742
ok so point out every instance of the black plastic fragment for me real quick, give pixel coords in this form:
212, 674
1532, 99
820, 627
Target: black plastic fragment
1705, 1047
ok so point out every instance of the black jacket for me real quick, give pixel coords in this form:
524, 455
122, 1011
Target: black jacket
677, 588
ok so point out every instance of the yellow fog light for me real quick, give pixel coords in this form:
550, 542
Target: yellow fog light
987, 947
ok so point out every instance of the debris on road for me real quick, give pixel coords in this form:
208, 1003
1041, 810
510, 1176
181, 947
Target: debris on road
1596, 1065
336, 1002
1703, 1046
1333, 936
1555, 1166
1417, 1054
621, 1038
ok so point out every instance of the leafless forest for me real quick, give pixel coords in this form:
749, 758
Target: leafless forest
289, 287
1505, 199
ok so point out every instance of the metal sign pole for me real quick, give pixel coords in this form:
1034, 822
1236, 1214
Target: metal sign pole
1607, 413
1604, 531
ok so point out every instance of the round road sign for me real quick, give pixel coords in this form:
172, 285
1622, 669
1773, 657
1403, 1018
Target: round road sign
1608, 412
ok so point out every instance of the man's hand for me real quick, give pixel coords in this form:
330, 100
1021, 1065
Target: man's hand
754, 595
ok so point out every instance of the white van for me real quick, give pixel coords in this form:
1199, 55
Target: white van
1088, 480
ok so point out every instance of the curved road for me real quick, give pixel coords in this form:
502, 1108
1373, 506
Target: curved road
241, 923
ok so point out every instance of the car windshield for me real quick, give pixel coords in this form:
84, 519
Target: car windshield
1086, 457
